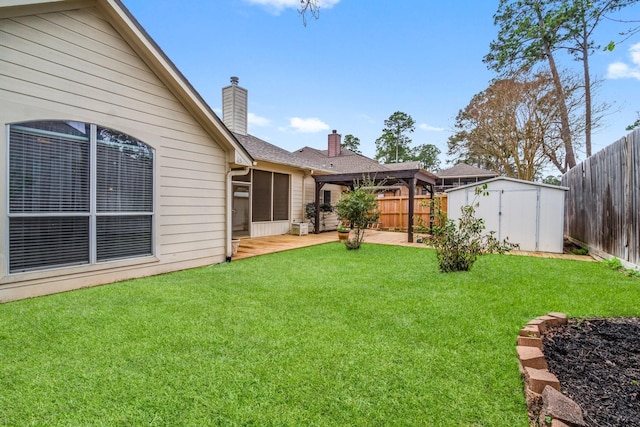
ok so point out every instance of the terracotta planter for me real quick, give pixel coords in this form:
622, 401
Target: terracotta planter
343, 235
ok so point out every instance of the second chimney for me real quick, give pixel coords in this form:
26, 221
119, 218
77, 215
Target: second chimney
334, 144
234, 107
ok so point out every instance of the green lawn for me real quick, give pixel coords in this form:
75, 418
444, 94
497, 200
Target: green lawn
318, 336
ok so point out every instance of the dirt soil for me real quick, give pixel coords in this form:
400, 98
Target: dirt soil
598, 364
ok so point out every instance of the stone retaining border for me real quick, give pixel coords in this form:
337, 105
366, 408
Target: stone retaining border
547, 406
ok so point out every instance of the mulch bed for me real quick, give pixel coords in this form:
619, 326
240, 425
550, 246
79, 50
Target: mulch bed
598, 364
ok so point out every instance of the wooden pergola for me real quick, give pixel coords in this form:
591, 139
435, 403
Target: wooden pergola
410, 178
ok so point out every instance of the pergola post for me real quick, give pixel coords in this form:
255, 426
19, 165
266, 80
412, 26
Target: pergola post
432, 205
316, 227
412, 191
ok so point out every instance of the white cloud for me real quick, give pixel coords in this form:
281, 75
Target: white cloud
257, 120
430, 128
279, 5
310, 125
621, 70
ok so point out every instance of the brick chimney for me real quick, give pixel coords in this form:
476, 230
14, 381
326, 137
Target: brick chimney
334, 144
234, 107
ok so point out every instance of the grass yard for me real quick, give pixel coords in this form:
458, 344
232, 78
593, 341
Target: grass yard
319, 336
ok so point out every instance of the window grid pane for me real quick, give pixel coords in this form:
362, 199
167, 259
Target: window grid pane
36, 243
326, 197
124, 173
48, 171
123, 237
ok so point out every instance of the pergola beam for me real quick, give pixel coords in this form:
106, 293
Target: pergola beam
409, 178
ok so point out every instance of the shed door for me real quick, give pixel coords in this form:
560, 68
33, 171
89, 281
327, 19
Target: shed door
512, 214
519, 218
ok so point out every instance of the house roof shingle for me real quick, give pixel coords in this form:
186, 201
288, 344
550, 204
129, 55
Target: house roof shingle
347, 161
463, 170
264, 151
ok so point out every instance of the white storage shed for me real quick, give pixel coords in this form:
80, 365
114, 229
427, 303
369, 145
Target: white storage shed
528, 213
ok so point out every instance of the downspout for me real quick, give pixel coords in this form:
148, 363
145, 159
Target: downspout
230, 174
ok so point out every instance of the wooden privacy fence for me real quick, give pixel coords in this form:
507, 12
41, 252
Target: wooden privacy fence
394, 210
602, 206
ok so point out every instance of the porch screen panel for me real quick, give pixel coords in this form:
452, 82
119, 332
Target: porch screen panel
124, 193
261, 196
280, 197
49, 199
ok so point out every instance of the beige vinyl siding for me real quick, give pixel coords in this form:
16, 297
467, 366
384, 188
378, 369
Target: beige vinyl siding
234, 101
297, 191
73, 65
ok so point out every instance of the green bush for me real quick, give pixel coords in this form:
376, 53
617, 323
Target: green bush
459, 245
616, 265
360, 208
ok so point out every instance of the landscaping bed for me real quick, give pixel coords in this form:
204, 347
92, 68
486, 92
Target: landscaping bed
597, 362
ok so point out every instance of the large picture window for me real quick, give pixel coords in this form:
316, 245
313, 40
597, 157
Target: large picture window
78, 194
270, 197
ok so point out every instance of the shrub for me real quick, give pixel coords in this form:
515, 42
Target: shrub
360, 208
459, 245
616, 265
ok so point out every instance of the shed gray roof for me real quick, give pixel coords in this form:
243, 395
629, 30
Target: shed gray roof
464, 170
508, 179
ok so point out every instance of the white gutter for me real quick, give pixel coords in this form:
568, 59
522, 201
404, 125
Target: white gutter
229, 232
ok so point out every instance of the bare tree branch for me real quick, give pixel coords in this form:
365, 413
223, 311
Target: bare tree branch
310, 6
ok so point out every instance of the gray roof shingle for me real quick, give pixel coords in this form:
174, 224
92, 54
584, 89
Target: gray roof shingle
347, 161
462, 170
263, 151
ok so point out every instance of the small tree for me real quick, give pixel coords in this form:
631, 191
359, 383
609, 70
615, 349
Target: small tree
360, 208
458, 246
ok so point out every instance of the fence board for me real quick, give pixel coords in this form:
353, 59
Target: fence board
602, 207
394, 209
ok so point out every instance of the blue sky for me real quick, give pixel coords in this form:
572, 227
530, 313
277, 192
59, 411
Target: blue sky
359, 63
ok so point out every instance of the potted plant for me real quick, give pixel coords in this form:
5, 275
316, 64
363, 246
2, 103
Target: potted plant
343, 232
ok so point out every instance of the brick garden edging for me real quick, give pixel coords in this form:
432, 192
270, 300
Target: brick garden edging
546, 404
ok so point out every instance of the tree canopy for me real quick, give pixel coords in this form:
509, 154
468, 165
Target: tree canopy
531, 32
511, 127
352, 143
394, 145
